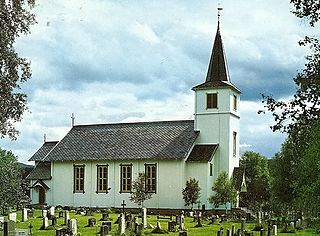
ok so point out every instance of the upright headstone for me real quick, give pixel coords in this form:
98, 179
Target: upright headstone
122, 224
262, 232
135, 225
45, 223
24, 215
13, 217
171, 226
73, 226
292, 228
182, 222
274, 230
44, 213
66, 217
183, 233
228, 232
51, 210
144, 218
1, 222
53, 220
104, 230
233, 229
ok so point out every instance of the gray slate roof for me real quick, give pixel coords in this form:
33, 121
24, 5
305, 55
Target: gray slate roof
43, 151
126, 141
41, 171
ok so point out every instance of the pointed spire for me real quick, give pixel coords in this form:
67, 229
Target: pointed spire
217, 70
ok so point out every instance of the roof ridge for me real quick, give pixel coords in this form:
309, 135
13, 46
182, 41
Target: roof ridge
133, 123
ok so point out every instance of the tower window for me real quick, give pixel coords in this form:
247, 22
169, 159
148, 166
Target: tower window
235, 102
234, 144
212, 100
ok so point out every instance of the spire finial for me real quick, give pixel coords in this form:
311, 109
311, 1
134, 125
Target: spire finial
219, 12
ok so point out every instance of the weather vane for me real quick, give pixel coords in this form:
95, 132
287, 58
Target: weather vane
219, 11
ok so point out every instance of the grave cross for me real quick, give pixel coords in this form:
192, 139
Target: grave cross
123, 205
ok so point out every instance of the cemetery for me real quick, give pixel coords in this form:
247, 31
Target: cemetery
62, 221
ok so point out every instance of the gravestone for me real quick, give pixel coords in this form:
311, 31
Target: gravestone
1, 222
45, 223
135, 224
274, 230
171, 226
66, 217
262, 232
292, 228
60, 214
139, 229
44, 213
51, 211
243, 225
73, 226
144, 218
122, 224
228, 233
183, 233
219, 233
21, 232
92, 222
181, 227
199, 224
104, 230
158, 225
233, 229
105, 216
238, 232
24, 215
30, 213
108, 223
13, 217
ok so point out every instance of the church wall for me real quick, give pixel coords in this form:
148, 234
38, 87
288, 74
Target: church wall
170, 181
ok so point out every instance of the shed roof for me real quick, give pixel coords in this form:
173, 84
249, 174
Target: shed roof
41, 171
126, 141
202, 153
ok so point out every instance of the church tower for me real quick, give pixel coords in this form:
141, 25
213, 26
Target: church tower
217, 111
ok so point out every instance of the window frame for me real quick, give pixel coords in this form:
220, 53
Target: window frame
211, 100
102, 181
150, 180
122, 168
235, 102
78, 180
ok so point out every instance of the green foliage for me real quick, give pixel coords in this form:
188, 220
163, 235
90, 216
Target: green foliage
257, 179
224, 190
14, 70
139, 193
12, 188
191, 193
307, 9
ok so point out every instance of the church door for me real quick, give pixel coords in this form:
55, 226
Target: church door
42, 196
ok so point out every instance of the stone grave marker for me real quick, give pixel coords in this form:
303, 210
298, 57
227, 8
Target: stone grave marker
183, 233
122, 224
44, 213
21, 232
228, 233
45, 223
108, 223
66, 217
30, 213
171, 226
292, 228
24, 215
53, 220
60, 214
144, 218
233, 229
104, 230
135, 224
1, 222
73, 226
105, 216
274, 230
92, 222
51, 211
13, 217
262, 232
181, 227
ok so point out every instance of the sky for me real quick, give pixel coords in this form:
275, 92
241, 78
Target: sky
112, 61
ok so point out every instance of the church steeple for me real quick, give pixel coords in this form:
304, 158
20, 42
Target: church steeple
217, 75
217, 70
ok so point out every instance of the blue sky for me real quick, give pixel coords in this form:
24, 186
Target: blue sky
123, 61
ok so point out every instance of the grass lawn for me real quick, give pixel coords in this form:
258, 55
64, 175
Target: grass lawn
210, 230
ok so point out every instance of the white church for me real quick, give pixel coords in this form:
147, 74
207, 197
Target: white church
95, 165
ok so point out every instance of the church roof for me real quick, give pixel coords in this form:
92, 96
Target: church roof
218, 74
202, 153
41, 171
126, 141
43, 151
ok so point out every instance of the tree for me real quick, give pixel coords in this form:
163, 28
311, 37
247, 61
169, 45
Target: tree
307, 9
191, 193
224, 191
12, 187
257, 180
15, 20
139, 192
